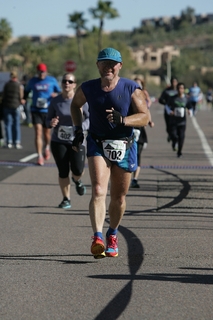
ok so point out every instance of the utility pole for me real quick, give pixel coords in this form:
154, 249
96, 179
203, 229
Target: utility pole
168, 69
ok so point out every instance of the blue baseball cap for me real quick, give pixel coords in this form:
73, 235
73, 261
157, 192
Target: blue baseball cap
109, 54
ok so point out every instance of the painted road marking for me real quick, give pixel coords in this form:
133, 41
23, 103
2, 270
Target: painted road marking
30, 157
179, 167
205, 145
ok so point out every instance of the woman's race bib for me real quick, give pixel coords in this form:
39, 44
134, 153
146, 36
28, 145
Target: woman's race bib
179, 112
114, 150
41, 103
65, 133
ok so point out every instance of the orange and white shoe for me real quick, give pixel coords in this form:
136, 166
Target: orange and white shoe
40, 161
98, 248
46, 154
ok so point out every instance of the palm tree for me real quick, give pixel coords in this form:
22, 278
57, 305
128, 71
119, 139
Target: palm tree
5, 36
101, 12
77, 22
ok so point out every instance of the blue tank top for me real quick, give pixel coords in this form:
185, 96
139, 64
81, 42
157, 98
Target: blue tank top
99, 101
194, 94
42, 89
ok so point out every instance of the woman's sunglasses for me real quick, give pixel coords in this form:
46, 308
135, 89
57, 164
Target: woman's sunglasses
69, 81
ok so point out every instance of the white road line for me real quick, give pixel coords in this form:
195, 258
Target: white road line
205, 145
30, 157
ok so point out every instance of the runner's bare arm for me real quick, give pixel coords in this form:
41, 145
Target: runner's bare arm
78, 101
140, 117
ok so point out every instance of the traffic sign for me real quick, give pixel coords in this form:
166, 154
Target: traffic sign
70, 66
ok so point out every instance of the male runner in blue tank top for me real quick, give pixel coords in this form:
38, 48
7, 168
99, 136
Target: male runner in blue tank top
44, 88
116, 105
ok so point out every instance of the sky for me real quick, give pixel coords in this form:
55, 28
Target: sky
49, 17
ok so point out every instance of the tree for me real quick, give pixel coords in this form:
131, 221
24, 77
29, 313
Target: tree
13, 62
26, 51
188, 16
101, 12
5, 36
77, 22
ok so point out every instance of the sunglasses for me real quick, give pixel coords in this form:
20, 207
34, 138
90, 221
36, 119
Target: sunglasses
69, 81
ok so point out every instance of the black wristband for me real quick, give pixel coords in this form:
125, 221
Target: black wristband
79, 138
78, 128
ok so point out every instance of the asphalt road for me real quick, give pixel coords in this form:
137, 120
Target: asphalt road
164, 270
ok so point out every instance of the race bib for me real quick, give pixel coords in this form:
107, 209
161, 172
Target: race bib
65, 133
114, 150
179, 112
41, 103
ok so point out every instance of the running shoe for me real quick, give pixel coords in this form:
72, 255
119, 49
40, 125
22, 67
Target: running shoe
174, 146
134, 184
112, 246
40, 161
80, 188
99, 256
18, 146
46, 154
65, 204
97, 248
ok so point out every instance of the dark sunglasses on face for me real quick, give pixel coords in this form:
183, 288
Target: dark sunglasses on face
108, 63
69, 81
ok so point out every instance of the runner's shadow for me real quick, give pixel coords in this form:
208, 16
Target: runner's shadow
165, 277
119, 303
135, 254
48, 258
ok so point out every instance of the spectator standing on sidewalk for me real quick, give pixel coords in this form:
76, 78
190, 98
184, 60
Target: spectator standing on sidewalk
44, 88
66, 159
11, 100
26, 106
116, 106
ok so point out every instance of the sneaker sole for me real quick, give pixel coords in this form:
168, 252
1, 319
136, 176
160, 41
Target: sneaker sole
99, 256
111, 254
68, 207
98, 249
